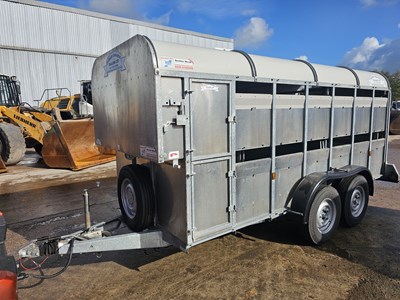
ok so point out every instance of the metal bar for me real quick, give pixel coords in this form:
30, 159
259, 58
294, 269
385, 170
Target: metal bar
353, 125
331, 125
371, 129
388, 106
86, 206
190, 179
305, 128
273, 147
142, 240
232, 138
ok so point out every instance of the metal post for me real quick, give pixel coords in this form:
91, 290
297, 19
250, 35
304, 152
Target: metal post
371, 129
353, 125
86, 206
273, 146
305, 132
388, 106
331, 126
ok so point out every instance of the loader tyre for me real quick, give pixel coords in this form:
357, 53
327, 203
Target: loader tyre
12, 144
354, 193
136, 197
324, 215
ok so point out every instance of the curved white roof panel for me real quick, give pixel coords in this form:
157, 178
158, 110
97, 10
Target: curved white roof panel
202, 60
334, 75
283, 69
177, 57
371, 79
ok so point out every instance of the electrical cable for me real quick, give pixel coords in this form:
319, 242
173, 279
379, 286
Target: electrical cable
43, 276
70, 251
38, 265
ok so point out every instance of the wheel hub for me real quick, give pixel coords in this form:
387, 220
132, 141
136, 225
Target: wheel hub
326, 216
357, 202
128, 197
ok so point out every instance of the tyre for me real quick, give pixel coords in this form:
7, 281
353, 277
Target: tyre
354, 192
136, 197
324, 215
12, 144
38, 148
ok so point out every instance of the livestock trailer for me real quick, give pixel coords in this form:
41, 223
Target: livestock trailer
209, 141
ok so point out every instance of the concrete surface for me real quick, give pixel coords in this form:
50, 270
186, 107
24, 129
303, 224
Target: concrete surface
265, 261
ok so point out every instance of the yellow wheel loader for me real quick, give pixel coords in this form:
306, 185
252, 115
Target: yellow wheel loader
62, 143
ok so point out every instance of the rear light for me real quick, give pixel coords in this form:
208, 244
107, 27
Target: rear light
8, 268
8, 285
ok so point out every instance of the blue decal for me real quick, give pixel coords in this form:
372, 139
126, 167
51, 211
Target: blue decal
115, 61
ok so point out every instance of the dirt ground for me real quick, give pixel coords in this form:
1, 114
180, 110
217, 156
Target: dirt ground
264, 261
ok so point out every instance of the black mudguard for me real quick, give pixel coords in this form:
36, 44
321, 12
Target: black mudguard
302, 195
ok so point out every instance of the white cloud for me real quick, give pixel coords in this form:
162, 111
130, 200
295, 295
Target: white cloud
163, 19
251, 35
372, 55
364, 52
219, 9
302, 57
371, 3
368, 3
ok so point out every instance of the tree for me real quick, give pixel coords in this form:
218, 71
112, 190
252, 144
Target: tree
394, 80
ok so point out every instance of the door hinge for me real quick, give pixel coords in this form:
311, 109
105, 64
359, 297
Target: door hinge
231, 174
231, 119
190, 174
188, 92
182, 120
231, 208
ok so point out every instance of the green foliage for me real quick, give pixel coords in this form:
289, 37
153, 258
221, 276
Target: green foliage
394, 80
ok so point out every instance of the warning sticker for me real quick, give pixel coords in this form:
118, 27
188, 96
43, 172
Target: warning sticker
209, 87
177, 63
173, 155
376, 81
148, 152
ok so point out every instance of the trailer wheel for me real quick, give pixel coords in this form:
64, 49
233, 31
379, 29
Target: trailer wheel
324, 215
12, 144
136, 197
354, 193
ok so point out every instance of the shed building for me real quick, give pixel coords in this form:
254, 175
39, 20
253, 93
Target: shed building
52, 46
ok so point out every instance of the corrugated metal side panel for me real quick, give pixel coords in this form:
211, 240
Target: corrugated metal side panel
43, 38
6, 24
119, 33
38, 71
42, 28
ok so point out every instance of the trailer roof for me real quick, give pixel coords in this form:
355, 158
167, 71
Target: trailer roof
237, 63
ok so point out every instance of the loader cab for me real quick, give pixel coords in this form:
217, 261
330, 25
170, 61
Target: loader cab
10, 91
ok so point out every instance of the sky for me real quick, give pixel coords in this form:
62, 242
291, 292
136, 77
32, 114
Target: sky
362, 34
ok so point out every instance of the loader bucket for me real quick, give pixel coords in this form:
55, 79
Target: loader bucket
71, 145
3, 167
394, 126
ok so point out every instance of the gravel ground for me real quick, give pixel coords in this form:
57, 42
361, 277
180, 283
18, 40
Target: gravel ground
264, 261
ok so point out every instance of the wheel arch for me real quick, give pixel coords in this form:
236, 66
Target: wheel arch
302, 194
